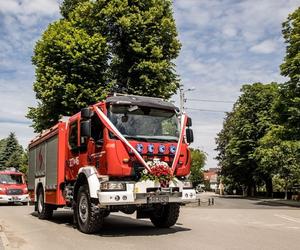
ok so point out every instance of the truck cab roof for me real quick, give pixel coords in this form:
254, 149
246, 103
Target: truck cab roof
145, 101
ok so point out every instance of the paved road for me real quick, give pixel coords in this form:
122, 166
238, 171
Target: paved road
230, 224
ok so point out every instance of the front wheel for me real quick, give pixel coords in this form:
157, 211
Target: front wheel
88, 216
45, 211
165, 216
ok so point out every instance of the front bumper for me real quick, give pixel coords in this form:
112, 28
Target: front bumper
145, 192
14, 198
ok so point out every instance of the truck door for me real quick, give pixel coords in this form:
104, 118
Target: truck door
74, 146
97, 154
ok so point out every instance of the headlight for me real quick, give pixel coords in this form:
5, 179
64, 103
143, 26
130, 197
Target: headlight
150, 148
187, 185
162, 148
139, 148
172, 149
25, 190
113, 186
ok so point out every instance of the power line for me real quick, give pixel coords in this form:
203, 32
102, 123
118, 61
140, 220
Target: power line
224, 111
206, 100
209, 110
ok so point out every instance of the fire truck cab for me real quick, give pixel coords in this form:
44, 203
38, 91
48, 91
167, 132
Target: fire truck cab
13, 187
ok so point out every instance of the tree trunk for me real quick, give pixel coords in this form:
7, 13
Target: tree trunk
251, 191
286, 192
269, 187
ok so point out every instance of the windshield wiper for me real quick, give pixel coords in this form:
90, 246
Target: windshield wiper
135, 138
163, 139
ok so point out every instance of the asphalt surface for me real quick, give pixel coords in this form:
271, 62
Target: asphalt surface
229, 224
1, 245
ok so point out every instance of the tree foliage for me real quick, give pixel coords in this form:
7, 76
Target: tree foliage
67, 6
198, 162
238, 141
272, 152
12, 154
288, 106
279, 157
103, 46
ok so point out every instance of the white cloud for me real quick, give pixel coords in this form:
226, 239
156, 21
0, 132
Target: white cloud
229, 31
21, 23
28, 7
227, 44
23, 132
265, 47
223, 48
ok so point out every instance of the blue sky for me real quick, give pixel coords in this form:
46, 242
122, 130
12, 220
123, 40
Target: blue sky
225, 44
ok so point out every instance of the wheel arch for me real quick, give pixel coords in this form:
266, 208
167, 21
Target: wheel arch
87, 176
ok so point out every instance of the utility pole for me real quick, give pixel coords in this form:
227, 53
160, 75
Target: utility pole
182, 96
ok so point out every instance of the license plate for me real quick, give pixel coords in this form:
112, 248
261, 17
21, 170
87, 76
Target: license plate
158, 199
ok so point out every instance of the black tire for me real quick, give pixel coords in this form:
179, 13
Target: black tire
45, 211
165, 216
88, 215
106, 213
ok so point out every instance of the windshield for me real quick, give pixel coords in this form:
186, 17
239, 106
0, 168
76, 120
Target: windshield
145, 123
11, 179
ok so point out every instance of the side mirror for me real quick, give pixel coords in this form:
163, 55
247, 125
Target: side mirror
85, 129
189, 135
86, 113
189, 122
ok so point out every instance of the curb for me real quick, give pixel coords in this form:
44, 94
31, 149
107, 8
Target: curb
285, 203
4, 243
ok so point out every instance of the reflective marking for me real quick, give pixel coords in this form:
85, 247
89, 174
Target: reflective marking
3, 238
289, 218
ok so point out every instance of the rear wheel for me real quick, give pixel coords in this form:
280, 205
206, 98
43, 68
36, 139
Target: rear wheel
165, 216
45, 211
88, 215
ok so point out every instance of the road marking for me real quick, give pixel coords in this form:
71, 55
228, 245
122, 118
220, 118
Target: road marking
294, 228
3, 238
289, 218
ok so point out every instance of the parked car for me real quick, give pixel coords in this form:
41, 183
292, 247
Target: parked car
199, 188
13, 187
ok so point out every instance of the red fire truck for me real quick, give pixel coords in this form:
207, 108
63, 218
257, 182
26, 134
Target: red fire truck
13, 187
127, 153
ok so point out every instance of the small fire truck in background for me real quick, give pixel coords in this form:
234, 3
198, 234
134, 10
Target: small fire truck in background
13, 188
93, 162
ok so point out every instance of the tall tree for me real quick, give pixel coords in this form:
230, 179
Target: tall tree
243, 127
144, 43
278, 156
289, 104
11, 153
2, 147
70, 71
103, 46
198, 162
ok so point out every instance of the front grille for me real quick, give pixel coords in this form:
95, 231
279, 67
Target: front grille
14, 191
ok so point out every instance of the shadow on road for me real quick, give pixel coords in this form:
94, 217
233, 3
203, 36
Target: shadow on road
252, 203
119, 226
274, 204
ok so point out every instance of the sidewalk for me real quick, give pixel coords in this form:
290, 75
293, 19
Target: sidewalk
278, 202
284, 202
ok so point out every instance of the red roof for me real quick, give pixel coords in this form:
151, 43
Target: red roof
10, 172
